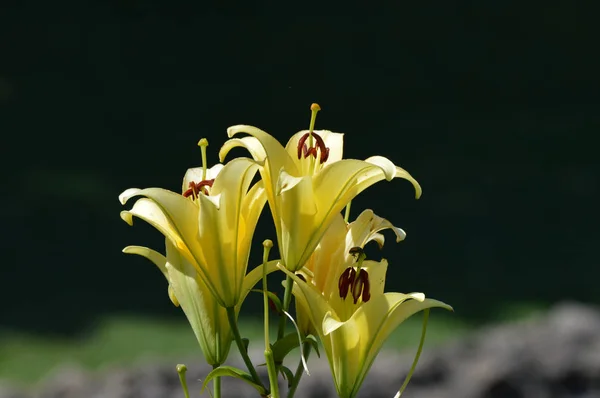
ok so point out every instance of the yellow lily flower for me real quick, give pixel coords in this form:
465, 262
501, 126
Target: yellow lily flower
307, 183
211, 225
206, 317
344, 300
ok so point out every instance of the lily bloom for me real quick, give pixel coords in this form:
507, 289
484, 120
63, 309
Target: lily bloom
307, 182
186, 290
342, 296
207, 318
211, 224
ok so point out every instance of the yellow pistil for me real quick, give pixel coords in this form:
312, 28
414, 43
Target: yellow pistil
203, 143
314, 109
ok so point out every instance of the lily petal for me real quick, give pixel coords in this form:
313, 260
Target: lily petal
298, 210
203, 313
269, 153
366, 227
158, 259
381, 316
333, 188
156, 215
207, 318
219, 221
264, 145
173, 215
327, 262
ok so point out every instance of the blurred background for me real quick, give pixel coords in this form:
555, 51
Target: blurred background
492, 106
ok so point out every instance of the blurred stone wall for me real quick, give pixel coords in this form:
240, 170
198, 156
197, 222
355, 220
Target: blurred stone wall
556, 355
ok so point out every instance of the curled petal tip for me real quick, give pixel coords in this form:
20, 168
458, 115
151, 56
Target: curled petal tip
233, 130
418, 191
127, 194
417, 296
127, 217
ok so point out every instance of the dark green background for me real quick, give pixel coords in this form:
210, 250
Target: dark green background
492, 107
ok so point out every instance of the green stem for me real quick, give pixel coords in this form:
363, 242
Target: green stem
306, 347
272, 370
270, 361
181, 370
216, 385
240, 344
287, 298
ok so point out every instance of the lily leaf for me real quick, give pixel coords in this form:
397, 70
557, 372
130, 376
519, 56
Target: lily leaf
315, 343
273, 299
283, 346
287, 374
233, 372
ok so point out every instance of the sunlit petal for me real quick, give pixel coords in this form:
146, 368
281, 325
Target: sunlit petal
207, 318
398, 308
366, 227
158, 259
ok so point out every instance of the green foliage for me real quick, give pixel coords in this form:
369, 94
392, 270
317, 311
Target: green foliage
129, 340
231, 371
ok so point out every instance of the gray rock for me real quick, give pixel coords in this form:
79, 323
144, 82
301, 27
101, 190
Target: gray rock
554, 356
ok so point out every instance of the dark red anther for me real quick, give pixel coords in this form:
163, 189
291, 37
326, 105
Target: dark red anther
361, 287
196, 188
346, 281
302, 145
303, 149
366, 293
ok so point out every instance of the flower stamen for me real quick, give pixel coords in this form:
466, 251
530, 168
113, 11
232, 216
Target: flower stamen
310, 149
195, 188
356, 280
346, 281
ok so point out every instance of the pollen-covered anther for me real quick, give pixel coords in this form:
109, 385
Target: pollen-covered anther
320, 148
346, 281
195, 188
361, 287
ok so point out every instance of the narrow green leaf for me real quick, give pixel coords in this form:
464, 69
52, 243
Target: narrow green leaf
273, 300
315, 343
283, 346
287, 374
233, 372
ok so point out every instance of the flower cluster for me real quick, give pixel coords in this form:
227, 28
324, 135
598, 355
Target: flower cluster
339, 294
